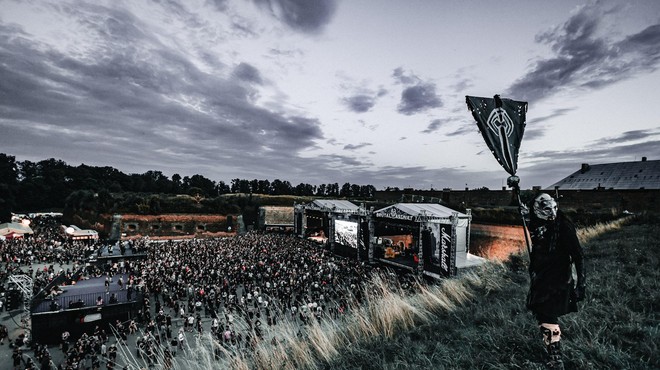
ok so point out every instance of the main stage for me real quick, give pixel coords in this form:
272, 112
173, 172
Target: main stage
78, 308
86, 291
78, 304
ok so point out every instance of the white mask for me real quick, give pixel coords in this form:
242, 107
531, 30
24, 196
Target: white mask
545, 207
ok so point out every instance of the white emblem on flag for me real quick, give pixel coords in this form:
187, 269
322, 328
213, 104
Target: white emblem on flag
499, 119
502, 125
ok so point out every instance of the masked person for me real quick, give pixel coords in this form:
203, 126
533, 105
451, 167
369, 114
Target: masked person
553, 291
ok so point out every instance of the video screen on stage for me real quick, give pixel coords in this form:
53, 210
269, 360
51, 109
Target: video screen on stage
346, 233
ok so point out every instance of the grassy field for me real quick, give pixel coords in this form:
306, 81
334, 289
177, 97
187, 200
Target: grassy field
618, 326
478, 320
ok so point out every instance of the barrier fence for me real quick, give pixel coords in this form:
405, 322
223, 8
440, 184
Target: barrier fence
87, 300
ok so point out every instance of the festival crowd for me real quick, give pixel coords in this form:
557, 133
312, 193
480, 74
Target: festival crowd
236, 288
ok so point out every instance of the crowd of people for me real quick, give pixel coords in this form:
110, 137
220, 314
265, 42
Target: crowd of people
48, 247
238, 289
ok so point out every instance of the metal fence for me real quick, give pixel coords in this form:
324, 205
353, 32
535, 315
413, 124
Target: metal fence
98, 299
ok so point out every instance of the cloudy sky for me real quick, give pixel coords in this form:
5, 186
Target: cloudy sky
366, 92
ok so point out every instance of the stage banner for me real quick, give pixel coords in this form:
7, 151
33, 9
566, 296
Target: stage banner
502, 124
439, 256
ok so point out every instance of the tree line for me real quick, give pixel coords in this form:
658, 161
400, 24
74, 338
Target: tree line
27, 186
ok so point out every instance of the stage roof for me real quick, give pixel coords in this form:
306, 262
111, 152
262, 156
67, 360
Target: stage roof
412, 210
14, 227
334, 205
618, 176
76, 232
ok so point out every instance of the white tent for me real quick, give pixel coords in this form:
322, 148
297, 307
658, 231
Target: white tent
449, 232
14, 228
76, 233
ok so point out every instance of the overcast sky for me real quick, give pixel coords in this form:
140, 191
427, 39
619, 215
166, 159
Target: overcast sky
366, 92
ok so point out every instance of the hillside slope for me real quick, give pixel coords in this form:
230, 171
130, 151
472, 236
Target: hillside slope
618, 326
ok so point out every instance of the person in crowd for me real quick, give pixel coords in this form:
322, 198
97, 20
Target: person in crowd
4, 334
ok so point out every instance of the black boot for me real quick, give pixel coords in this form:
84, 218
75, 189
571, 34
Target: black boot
554, 356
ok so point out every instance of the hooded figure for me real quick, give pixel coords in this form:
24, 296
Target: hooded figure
553, 291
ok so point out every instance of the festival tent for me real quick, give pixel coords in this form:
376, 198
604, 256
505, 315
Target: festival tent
425, 236
14, 230
333, 205
76, 233
314, 220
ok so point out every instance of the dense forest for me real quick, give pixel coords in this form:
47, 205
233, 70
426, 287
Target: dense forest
51, 184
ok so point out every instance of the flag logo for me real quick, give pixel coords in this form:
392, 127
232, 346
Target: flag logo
502, 124
500, 120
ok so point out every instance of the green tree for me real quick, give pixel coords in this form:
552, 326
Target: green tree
320, 190
176, 183
263, 187
367, 191
345, 190
106, 202
332, 190
8, 170
8, 185
355, 190
207, 185
222, 188
81, 205
154, 205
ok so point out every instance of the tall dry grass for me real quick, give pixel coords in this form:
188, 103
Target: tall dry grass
590, 232
385, 310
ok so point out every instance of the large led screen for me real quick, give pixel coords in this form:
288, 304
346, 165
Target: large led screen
346, 233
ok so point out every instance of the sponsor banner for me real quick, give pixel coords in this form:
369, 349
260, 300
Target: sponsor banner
439, 254
394, 213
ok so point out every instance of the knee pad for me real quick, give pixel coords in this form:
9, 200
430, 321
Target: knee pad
551, 333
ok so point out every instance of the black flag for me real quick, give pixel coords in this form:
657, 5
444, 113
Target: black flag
502, 124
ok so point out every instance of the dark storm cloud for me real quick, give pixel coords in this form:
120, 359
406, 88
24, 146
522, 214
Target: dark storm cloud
220, 5
629, 136
130, 99
585, 60
554, 114
341, 162
435, 125
463, 129
418, 98
462, 85
360, 103
308, 16
358, 146
432, 127
405, 78
420, 177
248, 73
358, 96
536, 130
534, 133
